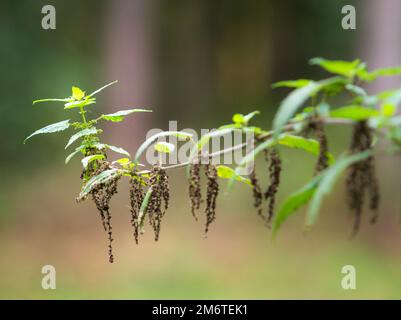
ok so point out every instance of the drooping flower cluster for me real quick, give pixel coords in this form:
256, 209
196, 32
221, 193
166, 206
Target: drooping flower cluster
361, 175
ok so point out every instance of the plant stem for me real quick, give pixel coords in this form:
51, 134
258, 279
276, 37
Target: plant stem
82, 112
287, 128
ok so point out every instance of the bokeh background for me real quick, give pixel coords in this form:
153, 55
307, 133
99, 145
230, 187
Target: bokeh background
197, 62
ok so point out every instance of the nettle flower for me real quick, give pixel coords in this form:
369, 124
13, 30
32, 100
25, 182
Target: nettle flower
307, 109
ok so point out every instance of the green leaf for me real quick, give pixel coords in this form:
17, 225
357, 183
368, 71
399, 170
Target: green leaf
164, 147
225, 172
344, 68
309, 145
97, 145
149, 141
119, 115
388, 109
144, 207
327, 181
382, 72
354, 112
71, 155
96, 180
55, 127
100, 89
51, 100
85, 161
118, 150
292, 83
290, 105
82, 133
294, 202
123, 161
238, 119
79, 104
77, 93
391, 99
356, 90
241, 119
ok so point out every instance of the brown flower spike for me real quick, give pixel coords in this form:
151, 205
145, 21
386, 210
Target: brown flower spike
194, 188
136, 197
257, 193
274, 174
102, 195
361, 176
211, 194
160, 193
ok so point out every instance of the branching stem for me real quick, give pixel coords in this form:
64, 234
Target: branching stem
287, 128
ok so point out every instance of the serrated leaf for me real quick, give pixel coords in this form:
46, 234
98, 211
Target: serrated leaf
309, 145
79, 104
391, 99
164, 147
122, 161
356, 90
77, 93
290, 105
354, 112
292, 83
85, 161
119, 115
71, 155
382, 72
149, 141
51, 100
327, 181
293, 203
100, 89
80, 134
118, 150
225, 172
241, 119
344, 68
55, 127
96, 180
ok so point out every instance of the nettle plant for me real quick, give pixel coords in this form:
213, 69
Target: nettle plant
299, 123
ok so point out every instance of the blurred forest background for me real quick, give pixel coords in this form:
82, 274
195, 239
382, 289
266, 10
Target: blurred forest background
197, 62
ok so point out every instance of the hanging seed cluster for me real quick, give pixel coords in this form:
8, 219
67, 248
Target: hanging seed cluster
269, 196
194, 188
322, 160
211, 194
136, 197
361, 176
257, 193
101, 195
158, 181
274, 175
212, 191
316, 126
